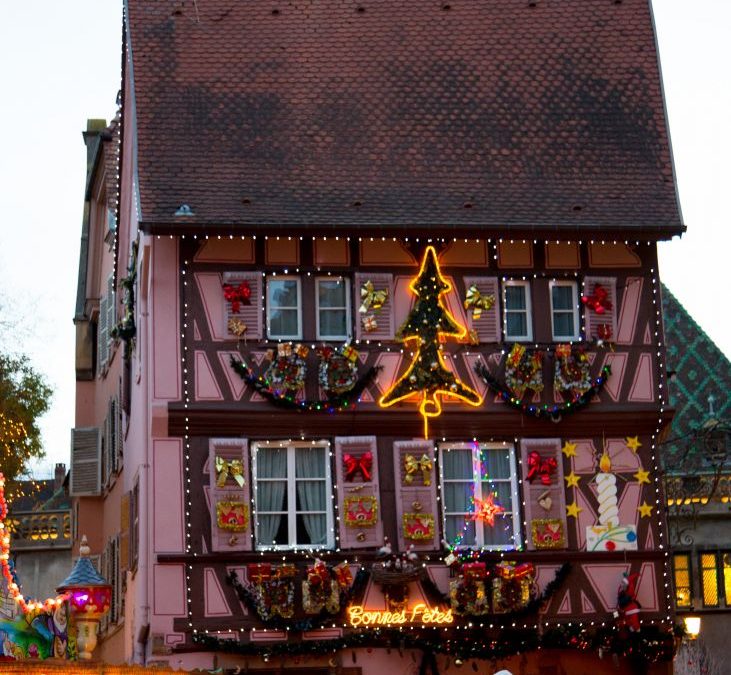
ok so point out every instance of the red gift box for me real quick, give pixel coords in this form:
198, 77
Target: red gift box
343, 575
474, 571
523, 570
259, 572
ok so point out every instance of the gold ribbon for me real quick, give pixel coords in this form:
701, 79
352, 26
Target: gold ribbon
350, 353
477, 302
224, 468
412, 465
370, 298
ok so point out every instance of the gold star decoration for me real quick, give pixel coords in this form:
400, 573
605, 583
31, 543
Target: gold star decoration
633, 443
573, 510
645, 510
569, 449
642, 476
572, 480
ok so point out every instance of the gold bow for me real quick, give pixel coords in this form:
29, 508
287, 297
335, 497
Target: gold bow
412, 465
477, 302
370, 298
224, 468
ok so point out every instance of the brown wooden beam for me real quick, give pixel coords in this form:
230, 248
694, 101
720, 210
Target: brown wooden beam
272, 422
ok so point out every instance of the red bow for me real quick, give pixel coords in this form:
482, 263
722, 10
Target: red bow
318, 574
598, 300
362, 463
540, 466
237, 295
604, 331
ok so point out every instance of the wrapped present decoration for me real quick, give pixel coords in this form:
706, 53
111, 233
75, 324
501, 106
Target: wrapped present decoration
547, 533
287, 571
369, 323
474, 571
343, 576
226, 469
418, 526
258, 573
232, 516
350, 353
361, 511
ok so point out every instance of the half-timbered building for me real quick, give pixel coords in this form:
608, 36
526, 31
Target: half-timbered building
392, 370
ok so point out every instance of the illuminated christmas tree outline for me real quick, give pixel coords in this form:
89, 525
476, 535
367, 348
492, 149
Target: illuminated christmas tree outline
427, 322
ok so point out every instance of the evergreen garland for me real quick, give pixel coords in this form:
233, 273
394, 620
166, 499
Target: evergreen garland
339, 403
555, 411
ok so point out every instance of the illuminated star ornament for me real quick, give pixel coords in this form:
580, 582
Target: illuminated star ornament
572, 480
569, 449
428, 324
486, 510
633, 443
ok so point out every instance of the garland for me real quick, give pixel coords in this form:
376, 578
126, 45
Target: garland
651, 644
251, 601
338, 403
552, 412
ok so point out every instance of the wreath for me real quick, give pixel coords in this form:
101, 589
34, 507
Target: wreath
524, 370
338, 372
571, 371
288, 370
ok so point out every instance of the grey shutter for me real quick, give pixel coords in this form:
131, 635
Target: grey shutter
85, 462
383, 316
591, 318
249, 314
488, 325
111, 308
102, 335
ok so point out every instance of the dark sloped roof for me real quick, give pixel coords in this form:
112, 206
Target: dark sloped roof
375, 113
701, 370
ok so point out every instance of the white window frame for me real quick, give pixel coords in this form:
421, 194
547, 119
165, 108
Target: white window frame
346, 282
477, 484
554, 283
291, 513
528, 311
278, 277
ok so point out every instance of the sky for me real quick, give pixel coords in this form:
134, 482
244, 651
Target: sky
60, 64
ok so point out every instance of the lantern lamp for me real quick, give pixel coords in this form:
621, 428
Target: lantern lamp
692, 626
89, 597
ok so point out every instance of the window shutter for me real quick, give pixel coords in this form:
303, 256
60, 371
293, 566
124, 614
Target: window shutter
358, 495
134, 532
102, 334
383, 317
251, 314
86, 476
488, 326
228, 450
124, 531
118, 436
416, 499
593, 320
111, 308
104, 571
545, 507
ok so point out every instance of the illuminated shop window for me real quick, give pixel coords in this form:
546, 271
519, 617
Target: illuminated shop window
726, 567
683, 591
709, 579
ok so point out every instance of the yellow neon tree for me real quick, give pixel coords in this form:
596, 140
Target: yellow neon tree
427, 322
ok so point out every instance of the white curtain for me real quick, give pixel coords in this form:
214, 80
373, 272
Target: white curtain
457, 466
310, 464
270, 463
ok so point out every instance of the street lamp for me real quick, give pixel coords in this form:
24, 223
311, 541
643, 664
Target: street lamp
89, 597
692, 626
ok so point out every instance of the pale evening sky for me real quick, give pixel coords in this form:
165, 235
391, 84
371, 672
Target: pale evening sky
60, 64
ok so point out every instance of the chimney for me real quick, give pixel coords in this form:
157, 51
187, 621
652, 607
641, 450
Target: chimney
58, 476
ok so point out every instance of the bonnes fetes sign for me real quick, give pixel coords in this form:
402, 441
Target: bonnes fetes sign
418, 614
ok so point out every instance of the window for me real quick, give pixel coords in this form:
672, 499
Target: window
709, 580
681, 572
564, 310
134, 526
470, 472
284, 308
726, 570
333, 308
517, 318
293, 495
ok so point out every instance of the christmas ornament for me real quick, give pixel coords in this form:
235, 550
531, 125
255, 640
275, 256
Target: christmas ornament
237, 327
287, 371
571, 371
541, 467
418, 526
598, 300
320, 590
369, 323
361, 511
370, 298
477, 302
633, 443
233, 516
337, 374
486, 510
523, 371
225, 468
429, 319
547, 533
412, 465
628, 609
237, 295
358, 464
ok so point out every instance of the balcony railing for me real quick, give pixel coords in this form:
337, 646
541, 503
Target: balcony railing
39, 529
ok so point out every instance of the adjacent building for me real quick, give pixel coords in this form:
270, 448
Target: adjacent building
370, 357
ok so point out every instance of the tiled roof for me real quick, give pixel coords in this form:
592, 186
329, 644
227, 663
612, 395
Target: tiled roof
374, 113
83, 574
43, 497
701, 370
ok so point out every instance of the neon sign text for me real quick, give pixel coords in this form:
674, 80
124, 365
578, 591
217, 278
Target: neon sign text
421, 613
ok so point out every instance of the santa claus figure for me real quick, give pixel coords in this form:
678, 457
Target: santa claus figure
628, 609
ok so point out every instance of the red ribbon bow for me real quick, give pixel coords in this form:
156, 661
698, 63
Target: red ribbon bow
541, 467
237, 295
361, 463
318, 574
598, 300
